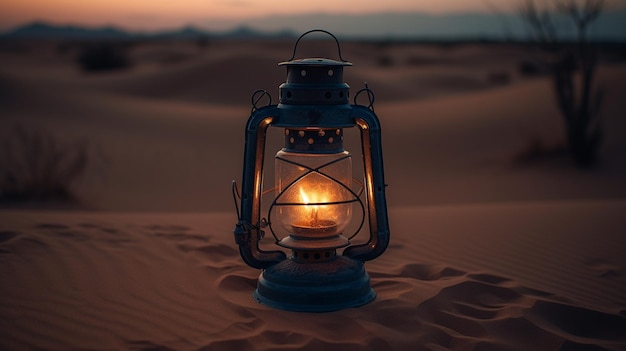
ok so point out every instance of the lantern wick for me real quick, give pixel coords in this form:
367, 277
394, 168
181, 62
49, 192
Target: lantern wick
314, 217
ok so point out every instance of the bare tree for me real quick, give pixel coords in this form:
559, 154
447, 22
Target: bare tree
578, 104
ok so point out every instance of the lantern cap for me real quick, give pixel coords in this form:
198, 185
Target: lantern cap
315, 61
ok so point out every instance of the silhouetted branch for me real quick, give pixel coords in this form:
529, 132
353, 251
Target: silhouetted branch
580, 112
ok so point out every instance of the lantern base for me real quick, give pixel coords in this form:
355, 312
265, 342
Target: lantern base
315, 287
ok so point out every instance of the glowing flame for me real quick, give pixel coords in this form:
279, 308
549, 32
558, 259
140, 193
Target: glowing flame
311, 211
304, 196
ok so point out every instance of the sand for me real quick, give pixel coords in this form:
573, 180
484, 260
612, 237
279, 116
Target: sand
487, 252
477, 277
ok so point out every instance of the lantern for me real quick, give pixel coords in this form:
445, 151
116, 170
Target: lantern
315, 197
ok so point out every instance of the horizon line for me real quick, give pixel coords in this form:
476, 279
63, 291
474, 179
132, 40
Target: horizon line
241, 22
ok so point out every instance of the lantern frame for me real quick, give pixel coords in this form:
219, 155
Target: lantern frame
345, 273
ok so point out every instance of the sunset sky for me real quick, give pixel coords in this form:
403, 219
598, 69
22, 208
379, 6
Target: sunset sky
159, 14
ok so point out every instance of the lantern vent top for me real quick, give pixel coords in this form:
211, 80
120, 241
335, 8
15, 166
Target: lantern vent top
314, 81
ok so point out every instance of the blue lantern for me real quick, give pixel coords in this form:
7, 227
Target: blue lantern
316, 197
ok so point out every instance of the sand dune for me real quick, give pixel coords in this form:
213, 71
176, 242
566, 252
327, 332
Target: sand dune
487, 252
135, 281
191, 151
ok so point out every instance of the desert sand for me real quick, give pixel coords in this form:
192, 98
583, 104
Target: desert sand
490, 250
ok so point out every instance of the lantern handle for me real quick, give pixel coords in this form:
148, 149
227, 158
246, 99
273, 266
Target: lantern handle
295, 47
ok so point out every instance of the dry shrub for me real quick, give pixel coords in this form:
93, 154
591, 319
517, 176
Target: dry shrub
35, 166
104, 56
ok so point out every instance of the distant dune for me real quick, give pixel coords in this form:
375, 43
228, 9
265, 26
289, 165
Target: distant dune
176, 117
493, 25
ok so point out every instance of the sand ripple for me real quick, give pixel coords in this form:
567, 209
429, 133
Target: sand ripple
110, 283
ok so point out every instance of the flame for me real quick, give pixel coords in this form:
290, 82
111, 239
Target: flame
313, 197
304, 196
312, 211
